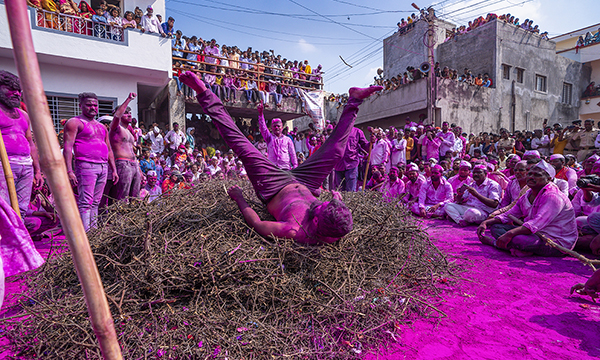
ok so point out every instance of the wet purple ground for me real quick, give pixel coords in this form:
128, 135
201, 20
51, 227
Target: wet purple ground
505, 308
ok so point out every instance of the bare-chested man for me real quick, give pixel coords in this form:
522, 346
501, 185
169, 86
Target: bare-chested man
288, 194
122, 143
88, 140
21, 150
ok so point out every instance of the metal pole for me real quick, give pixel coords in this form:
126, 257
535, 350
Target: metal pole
54, 168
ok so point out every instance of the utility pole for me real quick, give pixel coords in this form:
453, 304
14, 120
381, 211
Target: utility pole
432, 83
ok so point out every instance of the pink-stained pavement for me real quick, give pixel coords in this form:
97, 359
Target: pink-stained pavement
503, 308
506, 308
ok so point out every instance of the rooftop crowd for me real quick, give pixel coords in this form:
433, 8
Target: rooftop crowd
588, 39
413, 74
527, 25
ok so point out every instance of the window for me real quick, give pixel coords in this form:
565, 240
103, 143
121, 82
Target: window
520, 73
506, 72
65, 107
567, 92
540, 83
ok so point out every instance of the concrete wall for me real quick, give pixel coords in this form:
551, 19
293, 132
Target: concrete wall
394, 105
409, 49
475, 50
521, 49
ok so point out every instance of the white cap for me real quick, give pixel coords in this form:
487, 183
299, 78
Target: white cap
549, 169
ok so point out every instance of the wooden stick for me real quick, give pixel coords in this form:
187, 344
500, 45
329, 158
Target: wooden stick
8, 175
367, 166
555, 245
52, 163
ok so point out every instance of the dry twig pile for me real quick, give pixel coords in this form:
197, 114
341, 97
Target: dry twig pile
187, 279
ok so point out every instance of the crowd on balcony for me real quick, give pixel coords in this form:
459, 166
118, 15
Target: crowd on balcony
591, 90
507, 18
588, 39
404, 26
413, 74
106, 21
227, 69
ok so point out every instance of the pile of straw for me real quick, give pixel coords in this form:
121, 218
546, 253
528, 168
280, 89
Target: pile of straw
186, 278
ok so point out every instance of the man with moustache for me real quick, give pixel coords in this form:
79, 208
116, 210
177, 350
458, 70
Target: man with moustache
433, 195
18, 141
87, 139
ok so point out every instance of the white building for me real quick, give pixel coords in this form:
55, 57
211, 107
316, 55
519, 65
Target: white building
589, 55
73, 60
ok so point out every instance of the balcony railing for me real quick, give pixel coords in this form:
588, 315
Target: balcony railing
203, 67
78, 25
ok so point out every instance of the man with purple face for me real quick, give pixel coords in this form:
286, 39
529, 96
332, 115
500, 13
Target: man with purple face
413, 184
289, 195
434, 195
87, 139
474, 202
346, 170
20, 148
564, 172
122, 143
152, 186
280, 148
463, 176
447, 138
544, 210
393, 187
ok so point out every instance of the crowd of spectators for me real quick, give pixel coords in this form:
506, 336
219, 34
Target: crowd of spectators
413, 74
507, 18
404, 26
591, 90
106, 21
225, 69
588, 39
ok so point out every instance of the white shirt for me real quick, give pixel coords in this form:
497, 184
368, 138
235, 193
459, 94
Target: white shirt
380, 152
536, 143
151, 24
398, 151
158, 144
175, 138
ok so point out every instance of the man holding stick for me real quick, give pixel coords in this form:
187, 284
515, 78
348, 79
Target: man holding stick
20, 148
288, 194
87, 138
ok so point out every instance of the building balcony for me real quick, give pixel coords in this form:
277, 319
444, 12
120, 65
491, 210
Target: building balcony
72, 41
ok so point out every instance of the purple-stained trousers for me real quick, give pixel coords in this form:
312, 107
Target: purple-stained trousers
23, 177
265, 177
91, 179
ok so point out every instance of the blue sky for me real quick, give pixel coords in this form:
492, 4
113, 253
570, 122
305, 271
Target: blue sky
321, 31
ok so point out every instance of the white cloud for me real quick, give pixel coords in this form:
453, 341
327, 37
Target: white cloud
306, 47
371, 74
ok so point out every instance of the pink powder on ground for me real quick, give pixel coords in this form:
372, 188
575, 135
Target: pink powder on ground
509, 308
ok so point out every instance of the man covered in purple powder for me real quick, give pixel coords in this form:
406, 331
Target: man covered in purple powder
21, 150
280, 148
289, 195
122, 143
87, 139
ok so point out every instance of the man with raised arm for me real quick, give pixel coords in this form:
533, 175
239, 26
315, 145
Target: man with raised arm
87, 138
280, 148
288, 194
122, 143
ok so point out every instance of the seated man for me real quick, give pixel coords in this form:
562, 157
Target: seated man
393, 188
564, 172
586, 205
476, 201
288, 194
462, 177
434, 195
545, 209
413, 184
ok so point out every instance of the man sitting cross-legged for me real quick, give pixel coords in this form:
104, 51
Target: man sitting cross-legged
288, 194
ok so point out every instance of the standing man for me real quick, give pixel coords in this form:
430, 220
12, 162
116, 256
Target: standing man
174, 138
447, 138
88, 140
280, 148
122, 143
541, 143
168, 28
20, 148
346, 169
151, 23
587, 137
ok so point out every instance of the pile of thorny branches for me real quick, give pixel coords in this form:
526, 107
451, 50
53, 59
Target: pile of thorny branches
186, 278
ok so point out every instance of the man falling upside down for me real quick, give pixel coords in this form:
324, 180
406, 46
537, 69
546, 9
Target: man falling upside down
289, 195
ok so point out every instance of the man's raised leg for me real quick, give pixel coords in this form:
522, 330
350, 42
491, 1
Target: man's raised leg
265, 177
314, 170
